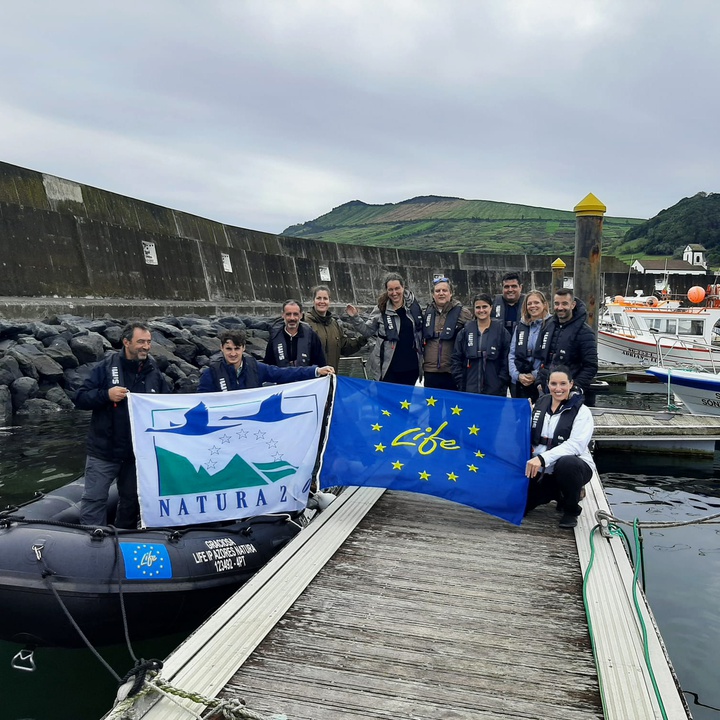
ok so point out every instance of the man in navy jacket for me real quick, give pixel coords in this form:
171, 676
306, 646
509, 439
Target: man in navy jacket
238, 370
109, 442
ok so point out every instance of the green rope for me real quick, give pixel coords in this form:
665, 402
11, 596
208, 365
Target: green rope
586, 577
646, 648
232, 709
617, 532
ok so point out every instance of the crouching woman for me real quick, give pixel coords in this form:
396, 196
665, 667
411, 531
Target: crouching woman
561, 430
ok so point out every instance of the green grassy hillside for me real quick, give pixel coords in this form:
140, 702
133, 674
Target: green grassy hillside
454, 224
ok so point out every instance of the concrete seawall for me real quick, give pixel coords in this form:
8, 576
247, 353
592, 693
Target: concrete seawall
68, 247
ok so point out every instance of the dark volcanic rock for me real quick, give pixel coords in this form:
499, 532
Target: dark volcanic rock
12, 330
88, 348
46, 369
60, 352
46, 362
37, 407
207, 345
58, 396
42, 331
22, 390
6, 407
114, 335
186, 349
9, 370
75, 377
27, 366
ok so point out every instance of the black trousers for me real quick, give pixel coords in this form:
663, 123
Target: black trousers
440, 380
518, 390
402, 377
563, 484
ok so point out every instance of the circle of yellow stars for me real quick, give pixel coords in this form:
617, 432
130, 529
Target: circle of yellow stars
424, 475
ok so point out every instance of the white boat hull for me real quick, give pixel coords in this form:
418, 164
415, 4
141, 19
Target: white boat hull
698, 391
618, 349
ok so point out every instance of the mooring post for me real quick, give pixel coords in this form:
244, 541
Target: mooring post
588, 251
558, 275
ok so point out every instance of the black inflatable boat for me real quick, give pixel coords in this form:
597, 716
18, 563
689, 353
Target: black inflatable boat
57, 577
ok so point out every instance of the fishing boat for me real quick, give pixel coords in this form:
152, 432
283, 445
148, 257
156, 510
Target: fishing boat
698, 390
59, 579
646, 331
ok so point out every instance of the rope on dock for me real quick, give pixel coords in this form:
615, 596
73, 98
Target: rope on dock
605, 518
609, 526
232, 709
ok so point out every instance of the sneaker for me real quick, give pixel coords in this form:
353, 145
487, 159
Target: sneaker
568, 521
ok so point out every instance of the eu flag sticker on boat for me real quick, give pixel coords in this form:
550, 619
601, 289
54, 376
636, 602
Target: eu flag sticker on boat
146, 561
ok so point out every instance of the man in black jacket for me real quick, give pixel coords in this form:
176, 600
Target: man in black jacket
506, 307
568, 340
294, 343
109, 443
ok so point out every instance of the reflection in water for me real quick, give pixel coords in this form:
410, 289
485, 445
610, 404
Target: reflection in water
41, 456
682, 567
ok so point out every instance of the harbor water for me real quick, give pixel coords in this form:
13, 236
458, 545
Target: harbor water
682, 566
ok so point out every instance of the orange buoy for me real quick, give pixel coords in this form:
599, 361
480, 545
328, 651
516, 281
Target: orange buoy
696, 294
619, 299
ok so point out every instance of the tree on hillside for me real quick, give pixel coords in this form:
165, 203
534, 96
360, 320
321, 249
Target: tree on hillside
694, 219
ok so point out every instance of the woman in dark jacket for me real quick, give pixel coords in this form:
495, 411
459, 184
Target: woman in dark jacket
395, 331
480, 355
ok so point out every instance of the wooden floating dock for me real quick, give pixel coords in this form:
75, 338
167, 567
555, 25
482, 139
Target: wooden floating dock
393, 605
663, 431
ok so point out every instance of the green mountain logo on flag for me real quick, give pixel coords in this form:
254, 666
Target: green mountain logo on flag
178, 476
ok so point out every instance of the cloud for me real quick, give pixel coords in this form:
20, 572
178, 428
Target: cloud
266, 114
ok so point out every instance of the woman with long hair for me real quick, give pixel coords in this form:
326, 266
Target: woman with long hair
395, 331
480, 355
332, 334
522, 364
560, 434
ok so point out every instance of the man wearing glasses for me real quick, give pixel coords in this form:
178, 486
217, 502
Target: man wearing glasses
443, 318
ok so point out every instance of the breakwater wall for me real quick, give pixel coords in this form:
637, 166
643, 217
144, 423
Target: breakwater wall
65, 246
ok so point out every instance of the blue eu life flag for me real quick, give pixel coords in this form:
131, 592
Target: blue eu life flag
146, 561
468, 448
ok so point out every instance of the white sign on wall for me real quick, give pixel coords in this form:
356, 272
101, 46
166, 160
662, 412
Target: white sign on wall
227, 265
149, 253
324, 273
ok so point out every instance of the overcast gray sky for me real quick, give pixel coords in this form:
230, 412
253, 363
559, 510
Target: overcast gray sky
265, 113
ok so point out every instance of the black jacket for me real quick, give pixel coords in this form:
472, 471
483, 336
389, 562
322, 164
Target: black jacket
308, 349
109, 435
480, 365
572, 344
221, 377
499, 310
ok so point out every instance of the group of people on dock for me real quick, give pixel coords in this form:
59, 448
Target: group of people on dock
506, 344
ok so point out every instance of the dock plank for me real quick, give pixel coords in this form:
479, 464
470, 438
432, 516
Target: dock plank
420, 608
431, 609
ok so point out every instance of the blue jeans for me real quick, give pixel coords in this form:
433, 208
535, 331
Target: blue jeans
99, 476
